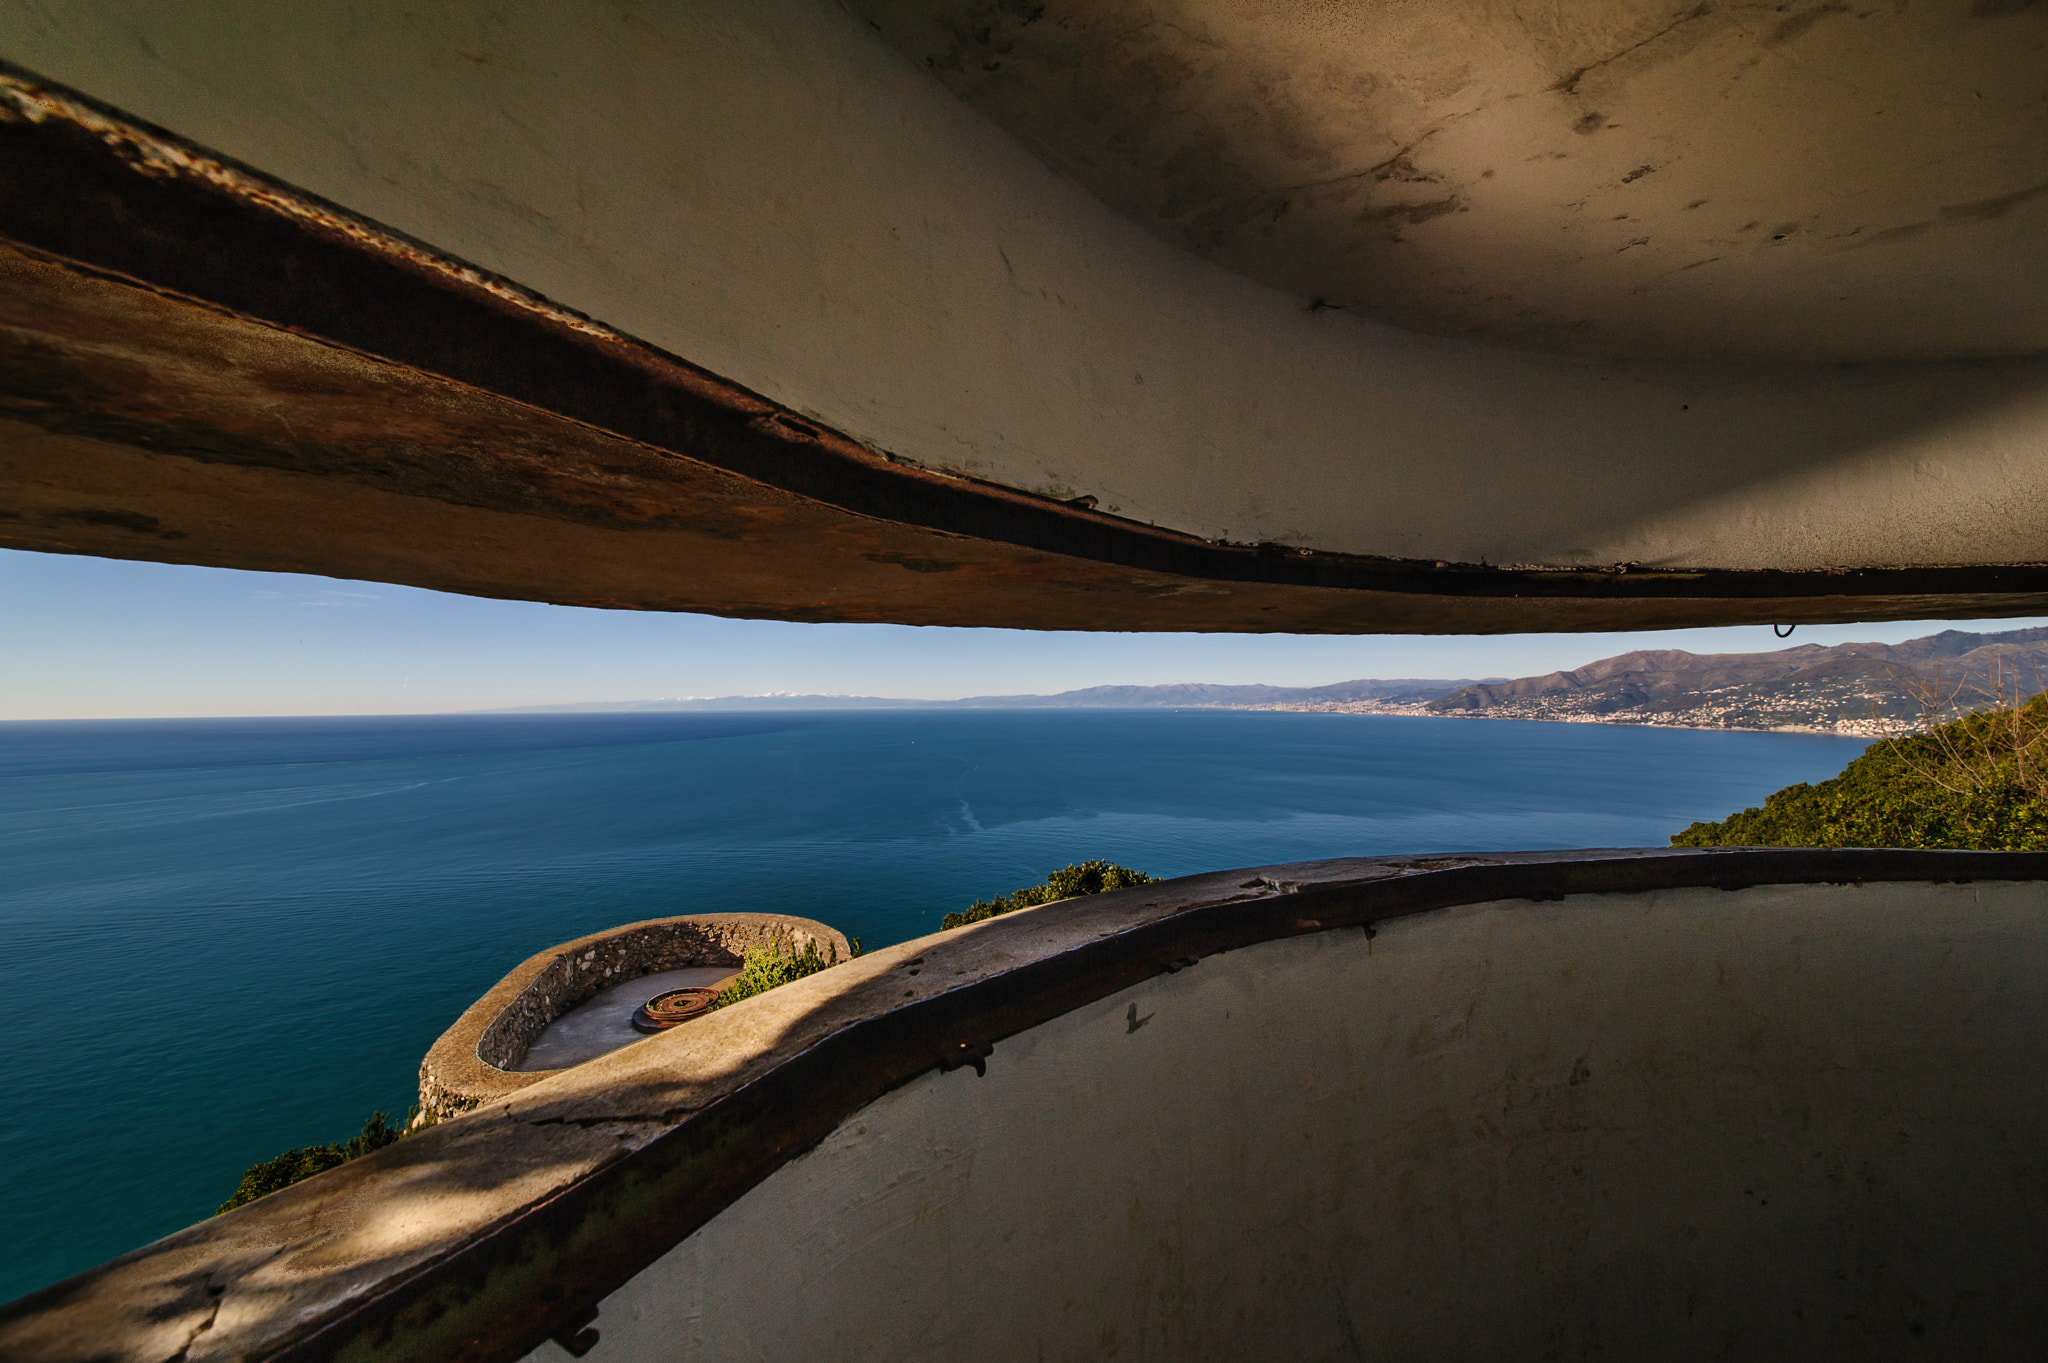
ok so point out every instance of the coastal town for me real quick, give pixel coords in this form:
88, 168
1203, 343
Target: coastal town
1856, 690
1734, 707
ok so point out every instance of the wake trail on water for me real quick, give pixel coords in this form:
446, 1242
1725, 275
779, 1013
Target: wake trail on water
259, 806
156, 813
966, 810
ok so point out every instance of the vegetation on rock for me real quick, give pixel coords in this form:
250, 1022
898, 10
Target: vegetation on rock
763, 968
1977, 782
1090, 877
284, 1170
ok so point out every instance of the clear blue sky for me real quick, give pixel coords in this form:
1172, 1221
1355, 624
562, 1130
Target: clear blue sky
84, 638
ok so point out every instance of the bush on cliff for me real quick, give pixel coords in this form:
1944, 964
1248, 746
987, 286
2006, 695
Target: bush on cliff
284, 1170
1090, 877
764, 967
1977, 782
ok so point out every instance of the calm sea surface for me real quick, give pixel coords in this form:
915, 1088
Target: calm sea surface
221, 938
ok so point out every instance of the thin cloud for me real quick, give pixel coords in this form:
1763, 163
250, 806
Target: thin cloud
336, 599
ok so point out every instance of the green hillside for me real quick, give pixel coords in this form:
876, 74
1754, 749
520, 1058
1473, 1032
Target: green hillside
1977, 782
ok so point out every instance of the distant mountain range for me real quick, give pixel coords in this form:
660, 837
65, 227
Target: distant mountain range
1848, 688
1182, 695
1873, 689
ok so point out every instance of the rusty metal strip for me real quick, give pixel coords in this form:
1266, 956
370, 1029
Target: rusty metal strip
93, 186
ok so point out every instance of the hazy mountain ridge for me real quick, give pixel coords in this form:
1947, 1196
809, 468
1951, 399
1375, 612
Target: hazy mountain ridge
1184, 695
1840, 688
1856, 688
1175, 695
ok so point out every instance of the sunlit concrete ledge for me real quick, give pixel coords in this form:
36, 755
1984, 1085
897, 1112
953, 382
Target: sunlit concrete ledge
1492, 1047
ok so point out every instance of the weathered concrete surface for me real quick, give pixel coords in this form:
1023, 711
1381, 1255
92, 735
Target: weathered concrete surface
140, 425
472, 1064
1566, 1113
772, 193
1804, 181
1795, 1123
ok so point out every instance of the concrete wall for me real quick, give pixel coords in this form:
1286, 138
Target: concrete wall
1751, 1102
1798, 1121
769, 191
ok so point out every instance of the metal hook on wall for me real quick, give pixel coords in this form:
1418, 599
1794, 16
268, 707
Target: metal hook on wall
1784, 632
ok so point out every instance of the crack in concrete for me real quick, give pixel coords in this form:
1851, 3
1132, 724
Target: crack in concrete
1984, 210
215, 1291
1381, 170
1250, 207
1570, 84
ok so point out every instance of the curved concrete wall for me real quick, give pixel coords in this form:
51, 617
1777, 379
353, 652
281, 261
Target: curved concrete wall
770, 192
472, 1062
1724, 1103
1791, 1122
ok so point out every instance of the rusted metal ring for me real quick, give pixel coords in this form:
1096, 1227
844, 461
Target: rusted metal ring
667, 1009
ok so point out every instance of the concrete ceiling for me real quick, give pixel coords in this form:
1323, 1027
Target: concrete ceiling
1630, 178
686, 305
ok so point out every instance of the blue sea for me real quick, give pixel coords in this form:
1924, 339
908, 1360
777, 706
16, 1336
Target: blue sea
222, 938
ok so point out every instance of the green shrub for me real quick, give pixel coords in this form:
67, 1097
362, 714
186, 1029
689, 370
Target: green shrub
1976, 782
1090, 877
763, 968
284, 1170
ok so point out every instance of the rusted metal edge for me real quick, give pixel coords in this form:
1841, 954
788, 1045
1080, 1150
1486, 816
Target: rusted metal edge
527, 1277
96, 187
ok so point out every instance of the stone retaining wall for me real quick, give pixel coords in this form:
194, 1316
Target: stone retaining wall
471, 1064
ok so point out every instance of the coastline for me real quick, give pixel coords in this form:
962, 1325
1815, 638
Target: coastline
1874, 728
